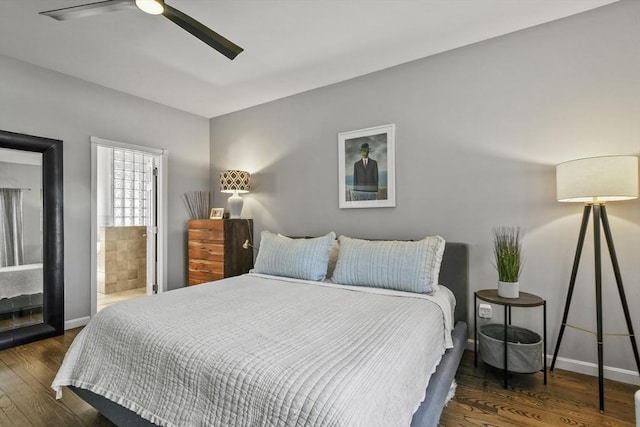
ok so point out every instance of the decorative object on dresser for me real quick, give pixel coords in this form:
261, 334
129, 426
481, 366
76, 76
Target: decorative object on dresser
507, 251
216, 249
198, 203
595, 181
216, 213
234, 182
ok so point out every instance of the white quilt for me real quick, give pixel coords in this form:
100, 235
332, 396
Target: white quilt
261, 351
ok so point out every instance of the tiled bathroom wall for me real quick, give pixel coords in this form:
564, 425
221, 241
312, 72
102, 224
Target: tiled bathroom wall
122, 259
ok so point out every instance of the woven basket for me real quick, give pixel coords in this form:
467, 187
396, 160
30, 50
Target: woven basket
524, 349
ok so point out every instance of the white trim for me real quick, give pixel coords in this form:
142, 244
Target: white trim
469, 345
109, 143
162, 212
163, 216
76, 323
94, 227
587, 368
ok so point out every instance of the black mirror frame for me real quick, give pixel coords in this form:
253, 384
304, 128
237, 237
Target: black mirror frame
52, 239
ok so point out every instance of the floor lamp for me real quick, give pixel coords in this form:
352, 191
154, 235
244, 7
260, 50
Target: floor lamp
595, 181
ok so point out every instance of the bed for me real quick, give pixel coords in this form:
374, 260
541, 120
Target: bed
20, 288
270, 349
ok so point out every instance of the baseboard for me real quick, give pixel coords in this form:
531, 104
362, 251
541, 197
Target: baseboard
588, 368
76, 323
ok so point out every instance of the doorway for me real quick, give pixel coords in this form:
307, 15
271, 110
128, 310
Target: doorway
128, 184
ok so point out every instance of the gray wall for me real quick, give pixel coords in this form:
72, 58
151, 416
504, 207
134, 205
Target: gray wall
40, 102
479, 132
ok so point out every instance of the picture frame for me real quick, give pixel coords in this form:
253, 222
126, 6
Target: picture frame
369, 183
216, 213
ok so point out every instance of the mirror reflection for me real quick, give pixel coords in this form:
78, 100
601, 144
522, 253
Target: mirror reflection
21, 275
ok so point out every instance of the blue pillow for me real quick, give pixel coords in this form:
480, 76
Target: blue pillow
298, 258
403, 266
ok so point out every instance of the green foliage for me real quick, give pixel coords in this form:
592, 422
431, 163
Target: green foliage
507, 250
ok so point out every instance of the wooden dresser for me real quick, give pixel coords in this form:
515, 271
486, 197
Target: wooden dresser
215, 249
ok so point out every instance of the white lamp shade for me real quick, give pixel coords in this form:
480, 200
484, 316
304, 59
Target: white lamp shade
152, 7
597, 179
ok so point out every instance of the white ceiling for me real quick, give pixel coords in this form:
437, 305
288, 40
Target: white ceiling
290, 45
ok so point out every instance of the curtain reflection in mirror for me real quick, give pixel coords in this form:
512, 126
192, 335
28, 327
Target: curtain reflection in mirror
11, 240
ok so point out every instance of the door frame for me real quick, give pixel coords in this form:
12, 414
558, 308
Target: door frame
161, 210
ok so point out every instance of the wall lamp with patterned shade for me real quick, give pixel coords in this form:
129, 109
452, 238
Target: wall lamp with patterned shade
235, 182
595, 181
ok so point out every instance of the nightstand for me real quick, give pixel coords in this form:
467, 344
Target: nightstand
524, 300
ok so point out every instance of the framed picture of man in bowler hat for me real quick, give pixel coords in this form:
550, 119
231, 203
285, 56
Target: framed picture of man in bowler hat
366, 168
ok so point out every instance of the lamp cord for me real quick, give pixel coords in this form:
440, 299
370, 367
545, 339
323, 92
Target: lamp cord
250, 232
248, 243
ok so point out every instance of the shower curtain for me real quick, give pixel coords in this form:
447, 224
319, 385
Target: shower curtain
11, 244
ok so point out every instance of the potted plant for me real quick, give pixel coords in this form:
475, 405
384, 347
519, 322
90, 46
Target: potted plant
507, 251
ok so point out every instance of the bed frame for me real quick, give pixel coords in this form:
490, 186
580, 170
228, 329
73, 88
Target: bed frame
454, 274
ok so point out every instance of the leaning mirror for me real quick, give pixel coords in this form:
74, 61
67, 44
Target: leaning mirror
31, 239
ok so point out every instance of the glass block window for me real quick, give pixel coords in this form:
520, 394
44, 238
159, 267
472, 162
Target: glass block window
132, 175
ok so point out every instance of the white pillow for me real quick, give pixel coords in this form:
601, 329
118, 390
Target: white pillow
298, 258
333, 255
403, 266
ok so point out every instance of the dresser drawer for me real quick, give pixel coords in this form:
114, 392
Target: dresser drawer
206, 234
196, 277
203, 266
199, 250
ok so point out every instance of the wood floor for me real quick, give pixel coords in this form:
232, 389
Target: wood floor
26, 398
569, 399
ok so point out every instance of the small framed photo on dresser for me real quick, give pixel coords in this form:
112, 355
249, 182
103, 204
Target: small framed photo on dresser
216, 213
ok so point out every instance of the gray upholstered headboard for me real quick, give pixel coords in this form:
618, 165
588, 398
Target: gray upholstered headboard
454, 274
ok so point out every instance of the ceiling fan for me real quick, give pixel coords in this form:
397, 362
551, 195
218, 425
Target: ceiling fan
153, 7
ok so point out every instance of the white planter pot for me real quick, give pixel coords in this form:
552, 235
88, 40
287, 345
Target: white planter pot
508, 289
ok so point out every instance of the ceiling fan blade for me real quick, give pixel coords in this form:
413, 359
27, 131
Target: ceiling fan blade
89, 9
207, 35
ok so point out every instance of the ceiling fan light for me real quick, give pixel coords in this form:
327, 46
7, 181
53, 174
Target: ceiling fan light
152, 7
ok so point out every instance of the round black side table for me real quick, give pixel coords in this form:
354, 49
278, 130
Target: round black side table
524, 300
